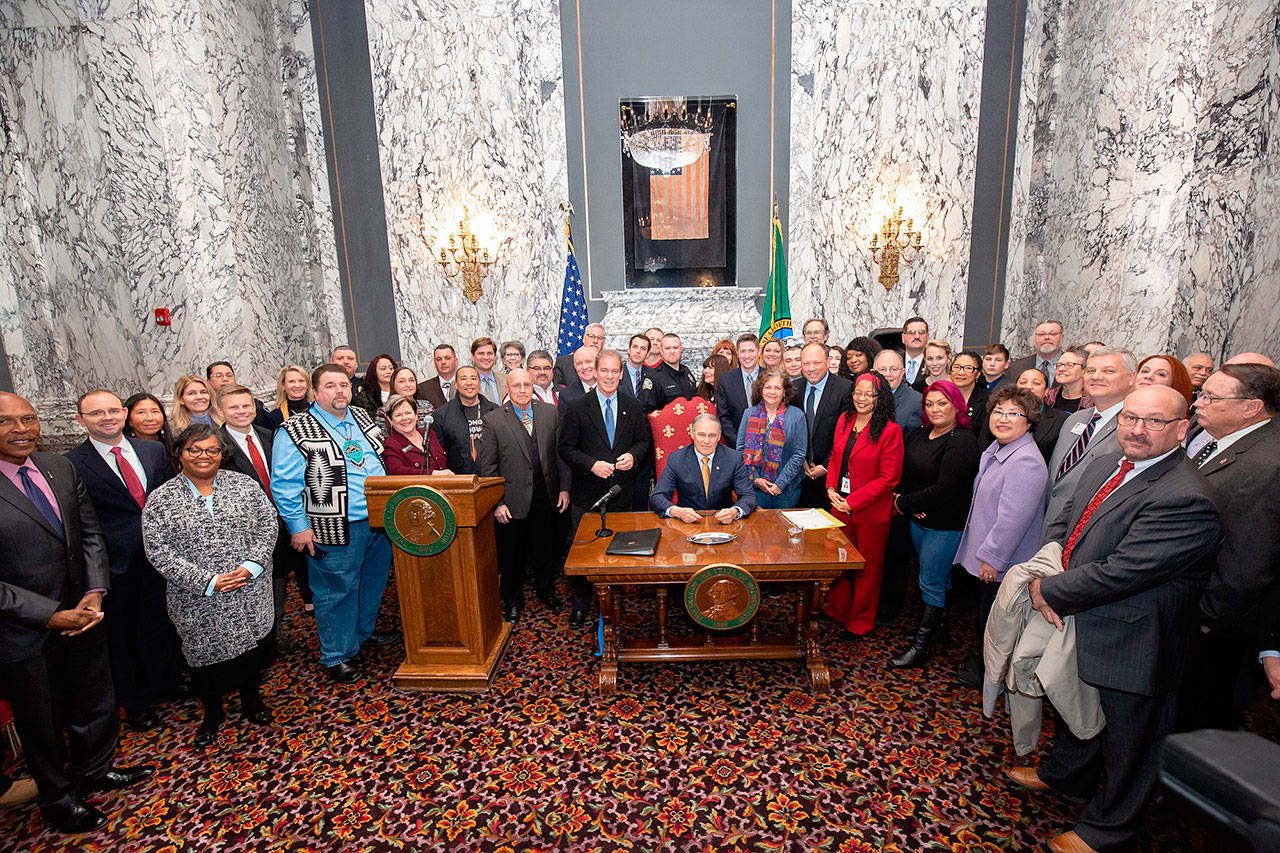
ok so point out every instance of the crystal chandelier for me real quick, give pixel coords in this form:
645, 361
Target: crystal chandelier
667, 136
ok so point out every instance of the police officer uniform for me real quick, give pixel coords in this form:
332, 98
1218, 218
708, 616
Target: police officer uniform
664, 383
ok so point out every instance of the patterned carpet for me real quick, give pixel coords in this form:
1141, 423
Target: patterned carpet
696, 757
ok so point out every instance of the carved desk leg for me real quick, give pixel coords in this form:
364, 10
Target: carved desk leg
609, 653
662, 618
819, 676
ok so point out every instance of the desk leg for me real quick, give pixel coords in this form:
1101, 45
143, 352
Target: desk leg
662, 618
609, 654
819, 676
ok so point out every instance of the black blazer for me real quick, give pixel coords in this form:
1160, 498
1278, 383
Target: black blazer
118, 513
284, 556
1136, 573
584, 442
1245, 477
454, 433
562, 372
39, 572
505, 451
827, 411
731, 402
626, 386
572, 391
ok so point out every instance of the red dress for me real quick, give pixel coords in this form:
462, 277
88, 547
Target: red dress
875, 467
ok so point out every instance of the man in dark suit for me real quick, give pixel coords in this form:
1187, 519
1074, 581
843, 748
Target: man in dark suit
906, 400
733, 390
605, 439
704, 476
1138, 534
593, 338
459, 422
1238, 452
438, 390
819, 394
633, 368
1048, 349
251, 447
54, 572
222, 375
119, 473
582, 377
899, 552
1090, 433
519, 445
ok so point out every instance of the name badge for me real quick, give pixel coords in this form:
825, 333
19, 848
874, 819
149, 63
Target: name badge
1078, 429
844, 485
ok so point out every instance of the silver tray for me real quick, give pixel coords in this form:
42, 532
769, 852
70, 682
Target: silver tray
711, 537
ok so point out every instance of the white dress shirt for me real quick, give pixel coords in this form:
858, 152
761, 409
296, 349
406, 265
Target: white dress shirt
127, 451
1197, 444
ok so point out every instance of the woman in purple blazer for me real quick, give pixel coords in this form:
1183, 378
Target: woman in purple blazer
1007, 512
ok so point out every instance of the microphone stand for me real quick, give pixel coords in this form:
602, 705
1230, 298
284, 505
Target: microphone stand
604, 530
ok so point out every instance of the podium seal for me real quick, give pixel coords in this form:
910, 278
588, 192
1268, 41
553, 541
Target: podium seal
419, 520
722, 597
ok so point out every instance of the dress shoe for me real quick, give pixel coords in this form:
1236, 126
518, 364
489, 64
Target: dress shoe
577, 617
143, 721
21, 791
970, 673
343, 673
117, 778
206, 734
511, 612
73, 818
1069, 842
1027, 777
260, 716
383, 638
551, 600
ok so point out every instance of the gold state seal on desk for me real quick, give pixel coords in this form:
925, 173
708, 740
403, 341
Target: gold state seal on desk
420, 521
722, 597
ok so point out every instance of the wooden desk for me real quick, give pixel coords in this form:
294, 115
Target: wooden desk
762, 549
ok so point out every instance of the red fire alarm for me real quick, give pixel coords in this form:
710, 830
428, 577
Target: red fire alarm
162, 317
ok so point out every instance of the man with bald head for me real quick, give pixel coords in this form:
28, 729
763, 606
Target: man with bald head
54, 668
519, 444
1138, 534
1250, 358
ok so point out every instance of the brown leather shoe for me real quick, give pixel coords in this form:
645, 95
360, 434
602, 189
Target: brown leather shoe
1069, 842
20, 791
1027, 778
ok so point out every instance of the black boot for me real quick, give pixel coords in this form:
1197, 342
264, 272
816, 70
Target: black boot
921, 644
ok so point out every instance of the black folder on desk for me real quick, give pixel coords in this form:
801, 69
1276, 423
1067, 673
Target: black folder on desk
634, 543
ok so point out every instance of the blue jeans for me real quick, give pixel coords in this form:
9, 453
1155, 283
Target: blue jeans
937, 552
347, 587
786, 500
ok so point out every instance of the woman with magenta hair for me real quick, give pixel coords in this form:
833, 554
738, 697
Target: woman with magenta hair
939, 465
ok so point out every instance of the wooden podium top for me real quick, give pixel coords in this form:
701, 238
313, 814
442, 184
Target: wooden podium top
470, 496
761, 547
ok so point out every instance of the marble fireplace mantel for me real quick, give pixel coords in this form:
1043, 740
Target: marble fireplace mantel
699, 315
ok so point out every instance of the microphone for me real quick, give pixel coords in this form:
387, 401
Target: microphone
606, 497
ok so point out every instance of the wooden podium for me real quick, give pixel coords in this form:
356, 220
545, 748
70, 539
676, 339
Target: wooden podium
441, 530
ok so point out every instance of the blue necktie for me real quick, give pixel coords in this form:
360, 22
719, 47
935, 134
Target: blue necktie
608, 420
41, 502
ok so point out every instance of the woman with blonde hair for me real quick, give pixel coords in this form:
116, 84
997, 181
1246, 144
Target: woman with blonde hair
294, 394
192, 403
937, 365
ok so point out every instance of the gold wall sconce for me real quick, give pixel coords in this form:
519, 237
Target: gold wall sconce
896, 242
464, 257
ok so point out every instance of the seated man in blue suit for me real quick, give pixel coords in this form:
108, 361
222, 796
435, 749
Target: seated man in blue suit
706, 475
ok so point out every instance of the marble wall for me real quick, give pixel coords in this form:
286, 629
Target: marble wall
469, 99
1146, 177
884, 108
159, 155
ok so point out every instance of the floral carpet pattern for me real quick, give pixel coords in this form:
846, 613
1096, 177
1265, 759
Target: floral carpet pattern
719, 757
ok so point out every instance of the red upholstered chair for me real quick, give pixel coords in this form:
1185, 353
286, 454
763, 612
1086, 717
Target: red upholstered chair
10, 749
672, 427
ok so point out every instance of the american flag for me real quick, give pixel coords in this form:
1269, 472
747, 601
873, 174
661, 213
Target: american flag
679, 202
573, 306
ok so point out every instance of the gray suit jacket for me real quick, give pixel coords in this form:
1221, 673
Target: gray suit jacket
504, 451
906, 408
1104, 442
1136, 572
39, 572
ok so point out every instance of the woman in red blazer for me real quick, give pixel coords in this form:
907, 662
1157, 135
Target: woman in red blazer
406, 450
865, 466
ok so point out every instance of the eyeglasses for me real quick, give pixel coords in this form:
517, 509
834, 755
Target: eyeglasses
1006, 413
98, 413
863, 395
1129, 420
197, 452
1064, 363
1209, 399
964, 368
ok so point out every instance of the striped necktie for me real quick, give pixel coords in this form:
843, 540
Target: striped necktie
1077, 450
1205, 452
526, 418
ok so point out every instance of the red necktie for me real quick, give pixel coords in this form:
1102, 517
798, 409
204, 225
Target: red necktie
1107, 488
258, 465
130, 476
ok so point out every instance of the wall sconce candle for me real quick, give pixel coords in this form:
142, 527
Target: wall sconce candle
465, 257
895, 241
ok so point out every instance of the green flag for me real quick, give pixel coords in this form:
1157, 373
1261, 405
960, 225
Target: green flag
775, 319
